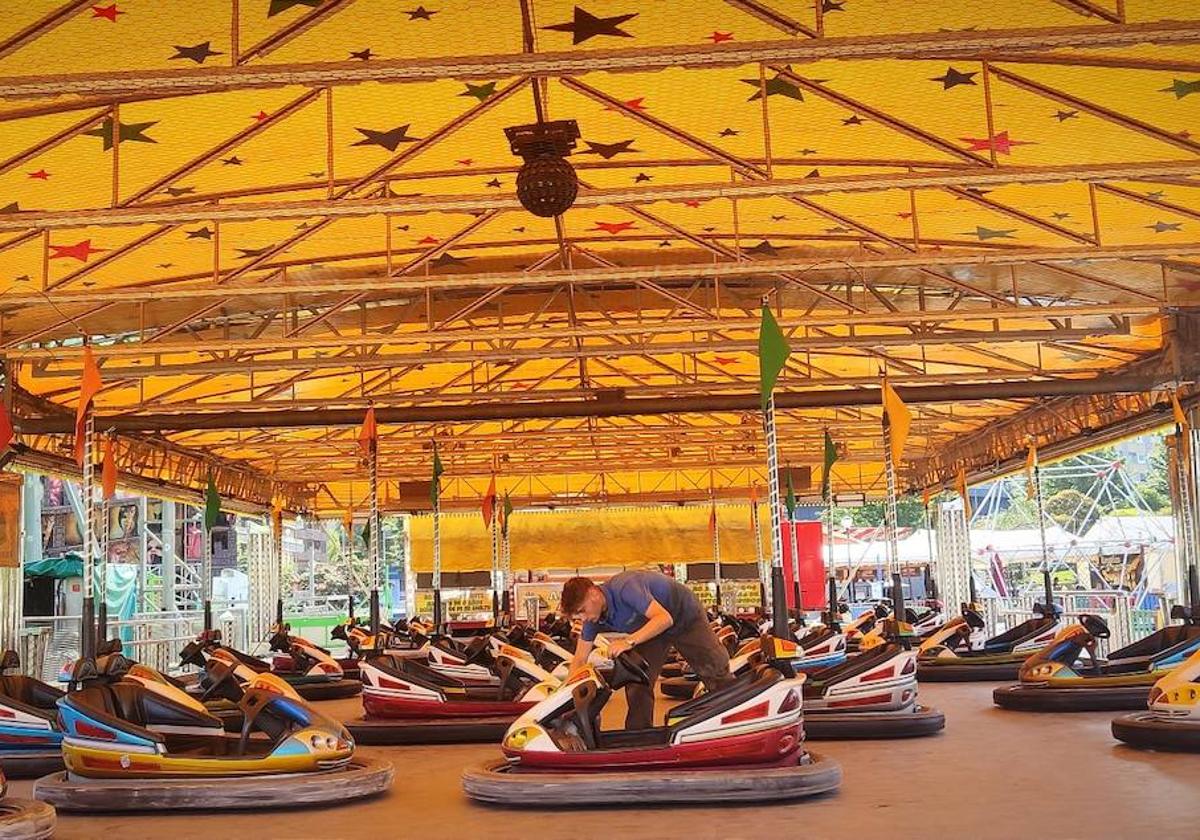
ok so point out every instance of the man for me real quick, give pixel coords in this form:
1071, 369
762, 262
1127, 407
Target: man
656, 612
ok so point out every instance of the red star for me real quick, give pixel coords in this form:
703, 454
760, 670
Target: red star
107, 12
999, 142
465, 162
260, 116
80, 250
719, 37
1185, 134
428, 240
724, 360
613, 228
691, 202
41, 174
631, 104
904, 215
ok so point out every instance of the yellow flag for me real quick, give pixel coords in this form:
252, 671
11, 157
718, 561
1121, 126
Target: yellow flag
1177, 412
899, 420
960, 484
1031, 463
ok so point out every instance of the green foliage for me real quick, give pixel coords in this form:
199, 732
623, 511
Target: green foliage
910, 513
1072, 509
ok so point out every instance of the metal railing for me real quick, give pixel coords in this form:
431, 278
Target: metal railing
1126, 625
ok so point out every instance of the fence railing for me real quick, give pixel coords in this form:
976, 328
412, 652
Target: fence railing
1126, 625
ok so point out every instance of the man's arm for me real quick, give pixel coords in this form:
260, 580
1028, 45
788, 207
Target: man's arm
658, 621
582, 648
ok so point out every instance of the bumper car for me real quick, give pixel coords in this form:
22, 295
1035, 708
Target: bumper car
408, 702
24, 819
856, 628
1053, 680
30, 742
134, 746
946, 656
743, 743
1172, 720
316, 677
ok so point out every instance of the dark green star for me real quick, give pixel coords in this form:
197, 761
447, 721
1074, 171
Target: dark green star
200, 233
11, 207
608, 151
197, 53
640, 177
480, 92
421, 13
853, 119
776, 86
983, 233
247, 253
278, 6
1163, 227
127, 131
728, 132
954, 78
585, 25
387, 139
1063, 116
1182, 88
763, 249
443, 260
363, 55
175, 192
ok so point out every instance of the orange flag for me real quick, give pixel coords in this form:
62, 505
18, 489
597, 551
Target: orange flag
489, 504
108, 472
89, 385
348, 524
926, 495
899, 421
369, 433
1177, 412
712, 522
960, 484
1031, 462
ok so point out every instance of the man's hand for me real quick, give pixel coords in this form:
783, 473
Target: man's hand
618, 647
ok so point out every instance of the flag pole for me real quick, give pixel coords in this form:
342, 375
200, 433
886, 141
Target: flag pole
373, 525
764, 578
496, 579
506, 599
102, 606
277, 548
889, 469
716, 553
206, 569
779, 614
87, 619
437, 545
1040, 505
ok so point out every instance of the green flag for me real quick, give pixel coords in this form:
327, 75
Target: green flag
212, 504
435, 484
773, 352
831, 455
508, 509
791, 498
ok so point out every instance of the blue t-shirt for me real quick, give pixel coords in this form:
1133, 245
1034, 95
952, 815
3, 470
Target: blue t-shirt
627, 597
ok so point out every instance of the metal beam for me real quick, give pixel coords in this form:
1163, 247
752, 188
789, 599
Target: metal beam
923, 45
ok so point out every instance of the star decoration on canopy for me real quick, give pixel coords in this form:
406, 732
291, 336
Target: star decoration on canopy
421, 13
608, 151
728, 132
853, 119
11, 207
40, 175
763, 249
777, 86
363, 55
198, 53
79, 251
175, 192
1182, 88
1163, 227
133, 132
480, 92
494, 183
1001, 143
640, 177
613, 228
232, 161
953, 78
108, 12
719, 37
200, 233
447, 259
828, 6
1059, 216
389, 140
248, 253
585, 26
983, 233
428, 240
1063, 116
278, 6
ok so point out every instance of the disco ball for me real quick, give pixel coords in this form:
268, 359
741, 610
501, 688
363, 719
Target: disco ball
547, 186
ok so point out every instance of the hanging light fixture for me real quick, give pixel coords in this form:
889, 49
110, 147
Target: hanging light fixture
546, 182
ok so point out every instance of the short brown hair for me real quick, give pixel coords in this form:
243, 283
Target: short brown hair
573, 593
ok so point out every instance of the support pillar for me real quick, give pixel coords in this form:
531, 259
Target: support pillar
954, 556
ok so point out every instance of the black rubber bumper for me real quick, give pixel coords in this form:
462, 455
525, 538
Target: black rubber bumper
334, 690
26, 819
962, 672
30, 764
361, 778
500, 783
1145, 732
1042, 698
833, 726
374, 732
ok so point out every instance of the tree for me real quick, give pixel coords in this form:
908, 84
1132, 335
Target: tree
1072, 510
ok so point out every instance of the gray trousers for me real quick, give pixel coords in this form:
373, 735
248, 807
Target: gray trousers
697, 643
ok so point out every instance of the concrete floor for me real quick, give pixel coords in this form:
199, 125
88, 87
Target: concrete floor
992, 774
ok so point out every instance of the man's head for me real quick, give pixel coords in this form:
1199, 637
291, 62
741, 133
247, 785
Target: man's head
581, 599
